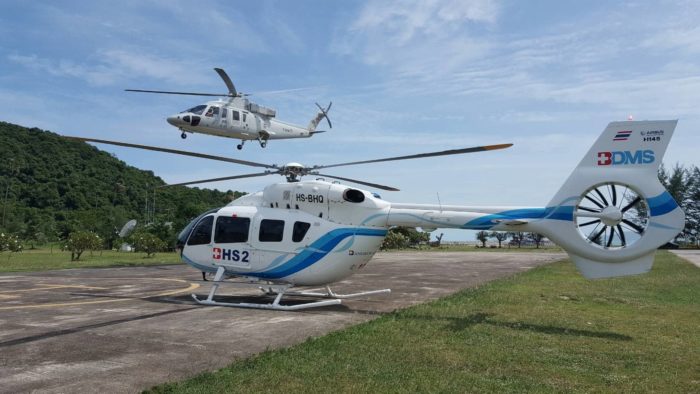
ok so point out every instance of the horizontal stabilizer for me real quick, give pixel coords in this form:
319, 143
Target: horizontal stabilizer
510, 222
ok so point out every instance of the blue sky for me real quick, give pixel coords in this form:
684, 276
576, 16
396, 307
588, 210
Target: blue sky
404, 77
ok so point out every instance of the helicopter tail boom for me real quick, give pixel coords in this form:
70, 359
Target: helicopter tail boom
610, 215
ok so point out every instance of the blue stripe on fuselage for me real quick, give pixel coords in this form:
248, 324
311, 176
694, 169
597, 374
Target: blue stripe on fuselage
662, 204
315, 252
307, 257
564, 212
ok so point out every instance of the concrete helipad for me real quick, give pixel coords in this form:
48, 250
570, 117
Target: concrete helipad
126, 329
692, 255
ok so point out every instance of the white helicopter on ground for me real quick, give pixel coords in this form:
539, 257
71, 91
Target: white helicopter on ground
610, 216
237, 117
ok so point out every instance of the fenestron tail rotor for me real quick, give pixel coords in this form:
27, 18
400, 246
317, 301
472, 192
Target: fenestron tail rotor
611, 215
292, 171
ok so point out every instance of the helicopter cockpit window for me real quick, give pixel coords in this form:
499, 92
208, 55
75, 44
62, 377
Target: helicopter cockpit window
299, 231
212, 111
201, 234
235, 115
271, 230
231, 230
196, 110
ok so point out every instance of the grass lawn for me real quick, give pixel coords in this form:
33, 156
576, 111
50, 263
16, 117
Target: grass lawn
44, 259
545, 330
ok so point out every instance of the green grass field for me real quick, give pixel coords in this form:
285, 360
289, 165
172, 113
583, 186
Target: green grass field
545, 330
45, 259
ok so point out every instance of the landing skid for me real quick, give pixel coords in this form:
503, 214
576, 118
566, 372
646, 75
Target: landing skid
280, 291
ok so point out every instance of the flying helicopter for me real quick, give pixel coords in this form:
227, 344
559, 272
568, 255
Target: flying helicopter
235, 116
610, 216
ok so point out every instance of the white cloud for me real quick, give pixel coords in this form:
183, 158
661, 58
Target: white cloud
417, 38
109, 67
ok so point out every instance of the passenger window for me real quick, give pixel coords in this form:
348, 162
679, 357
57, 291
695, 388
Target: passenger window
299, 231
235, 115
224, 113
231, 230
201, 235
271, 230
244, 116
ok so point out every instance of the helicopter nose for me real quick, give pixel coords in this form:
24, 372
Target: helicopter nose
175, 120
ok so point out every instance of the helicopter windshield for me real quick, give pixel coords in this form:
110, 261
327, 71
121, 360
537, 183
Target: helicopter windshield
198, 110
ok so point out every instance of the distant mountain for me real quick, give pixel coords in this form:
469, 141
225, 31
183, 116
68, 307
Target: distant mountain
50, 186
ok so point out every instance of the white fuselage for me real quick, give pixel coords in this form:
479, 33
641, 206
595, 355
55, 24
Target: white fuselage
310, 232
236, 118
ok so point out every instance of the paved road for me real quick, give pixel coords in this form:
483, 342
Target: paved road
126, 329
691, 255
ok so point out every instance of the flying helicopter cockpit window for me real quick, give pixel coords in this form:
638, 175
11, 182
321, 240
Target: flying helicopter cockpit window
299, 231
201, 234
196, 110
212, 111
271, 230
231, 229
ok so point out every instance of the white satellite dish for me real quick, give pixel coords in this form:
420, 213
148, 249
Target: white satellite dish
128, 228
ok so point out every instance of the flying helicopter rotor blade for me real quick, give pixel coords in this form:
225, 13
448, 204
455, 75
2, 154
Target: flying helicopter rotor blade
229, 84
422, 155
226, 178
378, 186
181, 93
174, 151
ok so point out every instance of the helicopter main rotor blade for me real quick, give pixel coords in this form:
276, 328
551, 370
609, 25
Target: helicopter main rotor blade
378, 186
174, 151
229, 84
422, 155
226, 178
181, 93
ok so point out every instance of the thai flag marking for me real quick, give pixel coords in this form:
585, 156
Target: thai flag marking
622, 135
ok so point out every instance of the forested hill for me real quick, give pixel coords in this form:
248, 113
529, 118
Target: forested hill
50, 186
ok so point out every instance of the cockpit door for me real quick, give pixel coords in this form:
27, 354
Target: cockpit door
231, 247
198, 249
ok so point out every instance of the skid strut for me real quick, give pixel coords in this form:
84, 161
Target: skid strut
280, 291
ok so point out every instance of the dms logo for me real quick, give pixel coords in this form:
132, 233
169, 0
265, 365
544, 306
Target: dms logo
625, 157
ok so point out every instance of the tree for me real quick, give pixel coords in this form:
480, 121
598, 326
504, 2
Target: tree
147, 243
500, 236
691, 206
80, 241
10, 243
482, 236
402, 237
537, 238
517, 237
684, 186
394, 240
